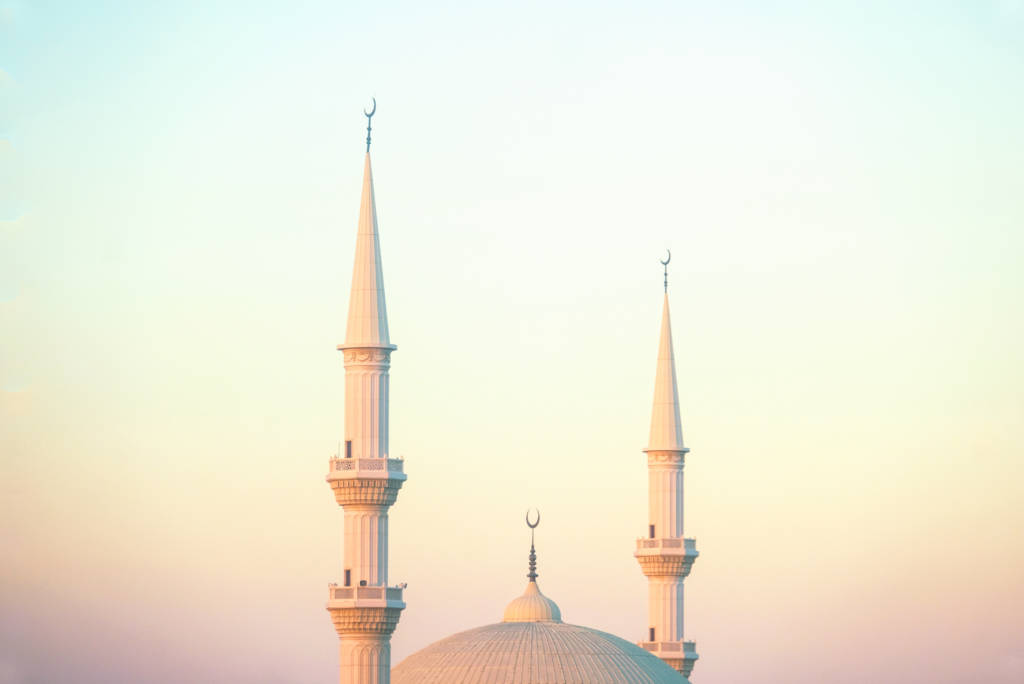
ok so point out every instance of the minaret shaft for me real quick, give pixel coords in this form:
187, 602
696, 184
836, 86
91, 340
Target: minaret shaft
665, 607
366, 545
365, 480
367, 386
365, 660
665, 500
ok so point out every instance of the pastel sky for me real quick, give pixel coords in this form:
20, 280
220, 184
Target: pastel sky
840, 184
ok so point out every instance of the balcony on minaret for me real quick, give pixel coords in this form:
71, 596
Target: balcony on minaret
348, 468
364, 597
666, 555
365, 481
682, 655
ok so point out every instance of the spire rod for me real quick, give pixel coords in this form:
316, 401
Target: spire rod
663, 263
533, 553
369, 116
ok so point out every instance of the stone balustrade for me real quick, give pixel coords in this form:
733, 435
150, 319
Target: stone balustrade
391, 465
687, 546
336, 593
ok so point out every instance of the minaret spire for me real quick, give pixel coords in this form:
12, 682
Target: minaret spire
665, 556
365, 479
367, 309
666, 428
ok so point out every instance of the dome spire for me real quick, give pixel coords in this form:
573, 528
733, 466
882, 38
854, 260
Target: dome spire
532, 575
532, 606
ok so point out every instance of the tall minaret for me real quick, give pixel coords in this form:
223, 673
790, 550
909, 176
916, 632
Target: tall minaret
664, 555
365, 480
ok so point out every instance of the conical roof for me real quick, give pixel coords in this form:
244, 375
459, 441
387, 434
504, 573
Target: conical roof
666, 428
367, 311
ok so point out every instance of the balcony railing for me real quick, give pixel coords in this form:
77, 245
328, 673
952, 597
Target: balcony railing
688, 546
336, 593
686, 649
391, 465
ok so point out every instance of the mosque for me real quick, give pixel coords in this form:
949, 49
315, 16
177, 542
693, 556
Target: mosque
531, 645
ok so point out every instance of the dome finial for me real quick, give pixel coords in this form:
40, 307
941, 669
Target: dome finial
663, 263
533, 553
369, 115
532, 606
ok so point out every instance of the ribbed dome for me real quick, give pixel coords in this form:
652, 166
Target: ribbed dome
533, 653
532, 606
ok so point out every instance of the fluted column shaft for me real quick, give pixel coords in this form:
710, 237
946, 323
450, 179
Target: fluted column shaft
665, 496
365, 659
665, 607
367, 384
366, 544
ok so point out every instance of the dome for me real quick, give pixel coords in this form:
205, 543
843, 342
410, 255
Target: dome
532, 606
533, 653
533, 646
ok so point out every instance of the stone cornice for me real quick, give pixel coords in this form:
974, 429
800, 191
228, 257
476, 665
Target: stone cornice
378, 357
367, 621
666, 459
665, 565
366, 491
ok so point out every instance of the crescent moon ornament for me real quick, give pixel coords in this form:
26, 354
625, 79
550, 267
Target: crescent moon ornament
369, 122
534, 524
665, 264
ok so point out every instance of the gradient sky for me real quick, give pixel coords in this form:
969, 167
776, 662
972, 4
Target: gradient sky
840, 184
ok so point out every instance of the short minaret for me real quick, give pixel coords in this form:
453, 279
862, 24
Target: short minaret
665, 556
365, 480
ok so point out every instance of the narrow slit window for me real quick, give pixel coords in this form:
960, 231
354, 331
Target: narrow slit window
348, 577
651, 528
652, 634
348, 448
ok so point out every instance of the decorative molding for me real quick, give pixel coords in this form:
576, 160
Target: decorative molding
368, 356
376, 491
666, 458
665, 565
355, 621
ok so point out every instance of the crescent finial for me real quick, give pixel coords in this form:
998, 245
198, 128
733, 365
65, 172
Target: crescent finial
665, 264
369, 117
533, 524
